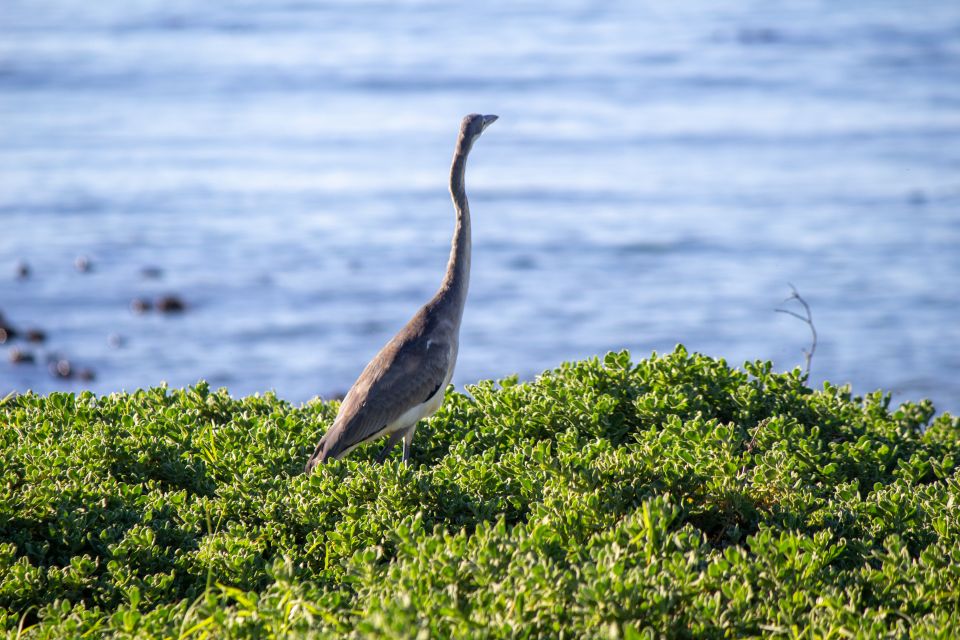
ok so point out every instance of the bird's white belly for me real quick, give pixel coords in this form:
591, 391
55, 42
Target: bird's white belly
415, 414
408, 418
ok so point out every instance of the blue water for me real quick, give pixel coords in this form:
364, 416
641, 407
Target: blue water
659, 174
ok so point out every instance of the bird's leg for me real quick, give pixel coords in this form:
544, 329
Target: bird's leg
408, 443
391, 443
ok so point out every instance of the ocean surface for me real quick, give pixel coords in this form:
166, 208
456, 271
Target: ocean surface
660, 174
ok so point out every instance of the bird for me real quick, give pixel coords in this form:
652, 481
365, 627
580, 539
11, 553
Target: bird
407, 379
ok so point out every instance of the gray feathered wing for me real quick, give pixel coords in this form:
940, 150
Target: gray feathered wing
406, 373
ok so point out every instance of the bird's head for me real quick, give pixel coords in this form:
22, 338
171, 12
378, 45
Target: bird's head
472, 126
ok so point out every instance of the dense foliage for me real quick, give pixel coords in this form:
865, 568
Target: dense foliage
671, 496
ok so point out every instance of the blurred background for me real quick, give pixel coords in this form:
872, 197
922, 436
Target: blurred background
255, 193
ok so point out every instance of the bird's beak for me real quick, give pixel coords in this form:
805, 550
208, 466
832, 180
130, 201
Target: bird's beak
488, 120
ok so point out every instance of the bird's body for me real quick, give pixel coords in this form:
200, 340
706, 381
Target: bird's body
405, 382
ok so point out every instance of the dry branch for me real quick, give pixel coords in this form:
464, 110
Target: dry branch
807, 318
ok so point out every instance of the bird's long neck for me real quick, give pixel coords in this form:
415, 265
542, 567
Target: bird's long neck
453, 290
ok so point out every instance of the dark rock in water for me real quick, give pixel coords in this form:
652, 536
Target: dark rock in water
170, 304
152, 273
116, 340
35, 335
86, 375
523, 263
6, 331
61, 369
140, 305
83, 264
22, 270
21, 356
759, 35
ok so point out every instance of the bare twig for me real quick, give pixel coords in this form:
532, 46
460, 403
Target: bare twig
808, 318
750, 445
756, 432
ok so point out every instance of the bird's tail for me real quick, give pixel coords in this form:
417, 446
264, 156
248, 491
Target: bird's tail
320, 456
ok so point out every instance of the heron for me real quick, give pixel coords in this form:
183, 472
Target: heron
406, 381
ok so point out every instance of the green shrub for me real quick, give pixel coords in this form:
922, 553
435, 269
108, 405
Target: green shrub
673, 496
